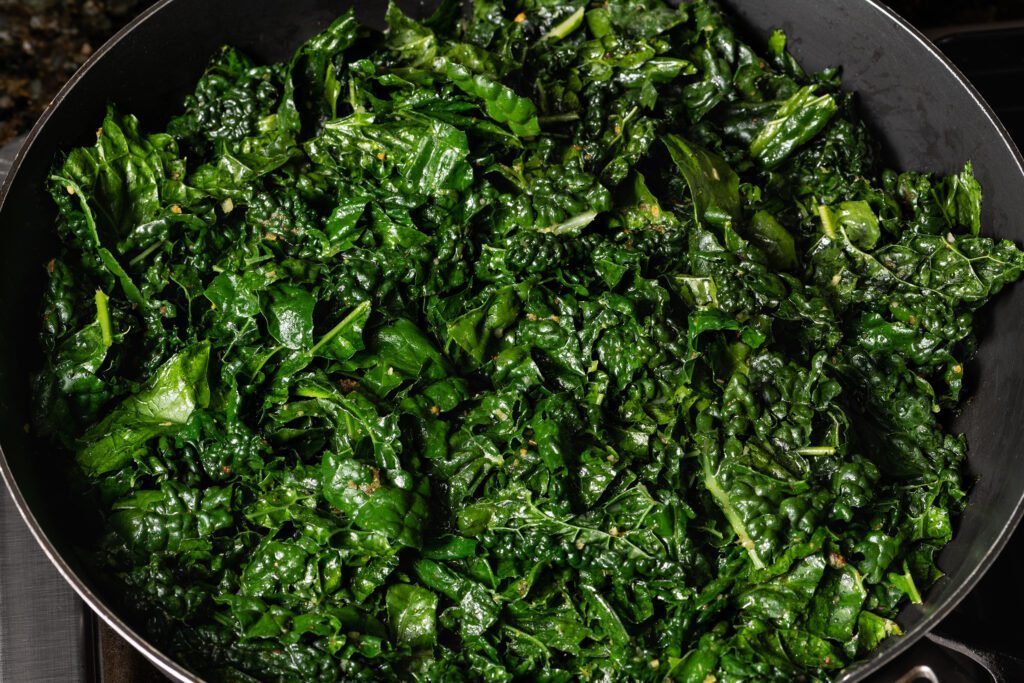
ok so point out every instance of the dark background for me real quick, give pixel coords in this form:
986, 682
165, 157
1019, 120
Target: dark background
42, 42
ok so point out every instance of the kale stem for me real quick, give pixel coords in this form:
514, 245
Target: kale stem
345, 322
353, 98
573, 225
146, 252
564, 28
826, 221
103, 317
731, 514
628, 118
263, 361
90, 220
817, 450
245, 328
558, 118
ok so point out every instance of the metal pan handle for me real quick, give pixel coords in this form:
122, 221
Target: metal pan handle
940, 659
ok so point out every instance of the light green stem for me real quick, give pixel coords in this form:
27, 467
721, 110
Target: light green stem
731, 515
345, 322
103, 317
573, 22
573, 225
827, 222
558, 118
817, 450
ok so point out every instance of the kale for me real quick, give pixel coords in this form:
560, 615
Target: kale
560, 340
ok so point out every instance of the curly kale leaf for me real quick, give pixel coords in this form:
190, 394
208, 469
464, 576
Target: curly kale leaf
164, 404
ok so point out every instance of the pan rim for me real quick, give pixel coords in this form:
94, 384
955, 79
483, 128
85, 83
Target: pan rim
884, 655
859, 670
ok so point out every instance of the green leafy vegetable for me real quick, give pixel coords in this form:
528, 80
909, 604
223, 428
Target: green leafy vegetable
411, 614
166, 403
713, 185
558, 341
797, 121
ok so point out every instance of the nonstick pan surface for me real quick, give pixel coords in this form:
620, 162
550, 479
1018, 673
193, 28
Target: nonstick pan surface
928, 116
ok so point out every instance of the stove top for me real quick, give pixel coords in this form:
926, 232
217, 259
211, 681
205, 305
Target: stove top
47, 633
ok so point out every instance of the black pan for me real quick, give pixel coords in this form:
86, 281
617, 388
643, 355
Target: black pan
930, 118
